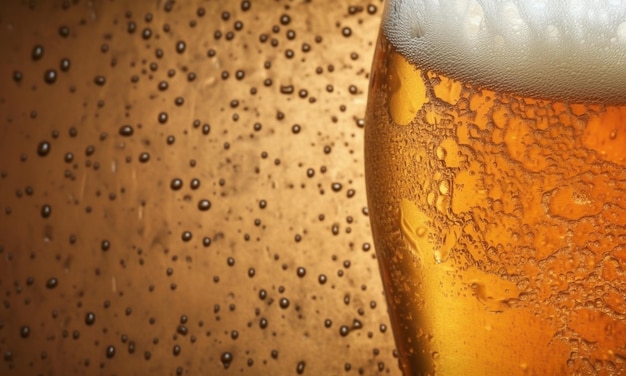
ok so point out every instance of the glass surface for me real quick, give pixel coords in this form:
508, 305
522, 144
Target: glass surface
496, 186
185, 193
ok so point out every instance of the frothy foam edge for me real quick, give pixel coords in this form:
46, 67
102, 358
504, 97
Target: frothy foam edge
570, 50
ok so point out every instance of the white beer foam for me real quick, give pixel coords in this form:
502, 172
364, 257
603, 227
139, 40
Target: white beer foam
574, 50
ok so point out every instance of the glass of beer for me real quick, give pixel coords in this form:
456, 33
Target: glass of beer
495, 159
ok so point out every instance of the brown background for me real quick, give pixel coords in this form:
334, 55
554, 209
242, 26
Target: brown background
287, 195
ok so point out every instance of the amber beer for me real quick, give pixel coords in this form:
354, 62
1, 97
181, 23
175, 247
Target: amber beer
496, 178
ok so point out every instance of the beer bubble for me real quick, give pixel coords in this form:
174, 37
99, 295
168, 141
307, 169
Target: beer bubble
284, 303
99, 80
226, 359
50, 76
52, 283
176, 184
46, 211
64, 65
300, 367
90, 318
37, 52
163, 117
43, 148
105, 245
301, 272
146, 33
144, 157
204, 205
24, 331
64, 31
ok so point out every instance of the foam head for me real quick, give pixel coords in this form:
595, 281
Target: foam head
572, 50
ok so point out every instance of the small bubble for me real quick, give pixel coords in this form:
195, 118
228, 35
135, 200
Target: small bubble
99, 80
90, 318
162, 117
300, 367
204, 205
180, 46
301, 272
64, 65
17, 76
46, 211
110, 351
126, 130
37, 52
283, 303
344, 330
285, 19
43, 148
52, 283
206, 241
105, 245
24, 331
64, 31
226, 359
50, 76
69, 157
176, 184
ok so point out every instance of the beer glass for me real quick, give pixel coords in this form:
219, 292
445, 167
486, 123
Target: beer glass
496, 181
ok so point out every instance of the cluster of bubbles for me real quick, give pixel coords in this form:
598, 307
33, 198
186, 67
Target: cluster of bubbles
181, 189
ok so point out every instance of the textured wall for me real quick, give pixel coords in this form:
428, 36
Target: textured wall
184, 194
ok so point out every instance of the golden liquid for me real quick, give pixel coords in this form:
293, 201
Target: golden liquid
499, 225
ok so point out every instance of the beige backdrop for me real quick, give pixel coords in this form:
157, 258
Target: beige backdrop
105, 261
